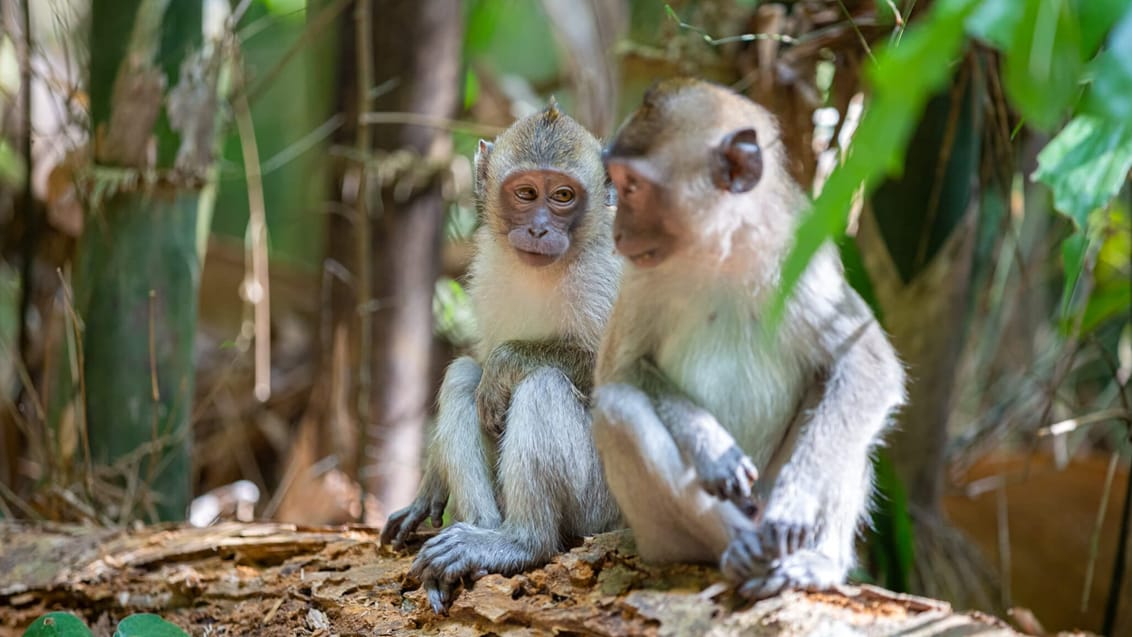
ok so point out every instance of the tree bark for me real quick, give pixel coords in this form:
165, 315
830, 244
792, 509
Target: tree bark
416, 46
153, 114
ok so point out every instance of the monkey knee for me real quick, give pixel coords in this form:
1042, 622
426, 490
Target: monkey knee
462, 377
619, 403
547, 385
618, 412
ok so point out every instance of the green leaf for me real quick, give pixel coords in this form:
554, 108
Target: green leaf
903, 78
1097, 17
997, 22
1074, 251
147, 625
1106, 304
858, 275
1085, 165
1110, 94
11, 165
1043, 64
891, 538
58, 624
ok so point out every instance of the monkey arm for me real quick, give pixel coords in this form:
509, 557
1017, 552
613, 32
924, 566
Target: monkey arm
512, 361
824, 479
723, 468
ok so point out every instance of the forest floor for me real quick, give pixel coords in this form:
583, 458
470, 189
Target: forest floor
277, 579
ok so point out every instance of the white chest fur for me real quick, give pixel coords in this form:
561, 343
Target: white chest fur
715, 351
524, 305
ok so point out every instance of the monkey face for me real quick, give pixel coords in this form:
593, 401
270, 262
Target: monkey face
644, 230
539, 209
680, 163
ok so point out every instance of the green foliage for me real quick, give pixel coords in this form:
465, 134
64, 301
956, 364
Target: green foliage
147, 625
1045, 46
1086, 165
891, 539
58, 624
527, 50
12, 169
903, 78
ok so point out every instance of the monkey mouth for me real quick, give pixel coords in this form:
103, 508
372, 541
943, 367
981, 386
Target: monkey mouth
536, 259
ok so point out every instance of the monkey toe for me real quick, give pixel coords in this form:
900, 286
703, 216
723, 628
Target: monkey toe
804, 570
786, 538
744, 558
401, 525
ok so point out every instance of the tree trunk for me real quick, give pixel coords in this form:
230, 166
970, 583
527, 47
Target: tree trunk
153, 112
416, 47
919, 261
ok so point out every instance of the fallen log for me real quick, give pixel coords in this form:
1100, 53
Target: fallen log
279, 579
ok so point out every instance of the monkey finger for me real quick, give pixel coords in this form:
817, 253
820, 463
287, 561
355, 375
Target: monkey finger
436, 512
398, 525
439, 596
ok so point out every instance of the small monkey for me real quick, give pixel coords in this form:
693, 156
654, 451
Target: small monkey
512, 446
695, 398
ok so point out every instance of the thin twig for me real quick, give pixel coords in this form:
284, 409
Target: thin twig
154, 390
17, 501
1095, 536
314, 28
302, 145
80, 408
442, 123
1004, 543
857, 30
713, 41
363, 32
259, 292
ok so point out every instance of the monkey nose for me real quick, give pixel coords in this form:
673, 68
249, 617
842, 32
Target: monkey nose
537, 233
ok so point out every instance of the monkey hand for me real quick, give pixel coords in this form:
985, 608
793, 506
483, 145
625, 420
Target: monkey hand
465, 553
727, 473
783, 550
430, 502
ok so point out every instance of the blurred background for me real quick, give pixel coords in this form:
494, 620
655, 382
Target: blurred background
232, 236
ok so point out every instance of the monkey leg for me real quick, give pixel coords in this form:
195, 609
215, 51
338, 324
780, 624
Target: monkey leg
673, 518
551, 488
459, 452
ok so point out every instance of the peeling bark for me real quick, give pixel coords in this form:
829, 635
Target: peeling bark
277, 579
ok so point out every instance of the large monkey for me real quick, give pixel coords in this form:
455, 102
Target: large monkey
695, 398
512, 445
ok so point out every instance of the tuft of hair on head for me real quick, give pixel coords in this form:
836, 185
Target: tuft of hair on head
550, 114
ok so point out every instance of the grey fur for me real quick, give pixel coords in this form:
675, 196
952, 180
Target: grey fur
512, 444
693, 392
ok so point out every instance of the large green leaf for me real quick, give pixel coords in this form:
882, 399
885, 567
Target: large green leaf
1086, 165
147, 625
1110, 94
58, 624
1043, 64
903, 78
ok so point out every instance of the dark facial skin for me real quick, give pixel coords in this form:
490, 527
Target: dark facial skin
541, 207
642, 231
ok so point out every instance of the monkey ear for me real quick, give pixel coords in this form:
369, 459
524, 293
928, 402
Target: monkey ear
483, 152
737, 163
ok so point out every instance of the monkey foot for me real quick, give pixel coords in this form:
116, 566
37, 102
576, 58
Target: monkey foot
465, 553
806, 570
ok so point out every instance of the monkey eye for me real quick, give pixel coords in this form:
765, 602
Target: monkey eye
526, 193
563, 195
